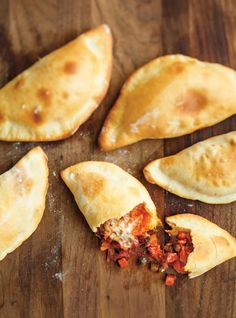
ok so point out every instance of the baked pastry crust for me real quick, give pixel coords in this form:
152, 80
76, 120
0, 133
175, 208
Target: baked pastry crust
212, 244
104, 191
23, 191
51, 99
170, 96
205, 171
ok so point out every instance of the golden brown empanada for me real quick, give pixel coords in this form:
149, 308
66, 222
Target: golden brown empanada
116, 206
104, 191
51, 99
212, 245
23, 191
170, 96
205, 171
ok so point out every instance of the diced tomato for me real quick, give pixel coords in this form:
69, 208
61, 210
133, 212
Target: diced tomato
154, 250
170, 280
171, 257
178, 266
183, 255
123, 262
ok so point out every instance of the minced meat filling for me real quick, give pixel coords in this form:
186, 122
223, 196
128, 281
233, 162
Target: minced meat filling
121, 237
130, 236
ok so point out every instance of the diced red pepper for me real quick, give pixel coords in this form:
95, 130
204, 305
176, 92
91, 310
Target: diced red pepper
183, 255
171, 257
178, 266
170, 280
154, 250
123, 262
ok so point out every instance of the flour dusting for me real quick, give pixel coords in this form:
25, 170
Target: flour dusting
145, 119
58, 276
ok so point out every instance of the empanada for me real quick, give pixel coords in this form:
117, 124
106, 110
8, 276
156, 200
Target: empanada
211, 244
115, 204
205, 171
51, 99
170, 96
23, 191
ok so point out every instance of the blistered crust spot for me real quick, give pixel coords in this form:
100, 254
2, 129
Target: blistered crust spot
177, 68
214, 167
37, 115
95, 185
168, 161
192, 102
70, 68
44, 95
232, 141
1, 118
65, 95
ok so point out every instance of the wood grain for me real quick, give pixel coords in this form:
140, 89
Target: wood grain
59, 271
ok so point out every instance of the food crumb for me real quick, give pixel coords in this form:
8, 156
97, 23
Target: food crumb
58, 276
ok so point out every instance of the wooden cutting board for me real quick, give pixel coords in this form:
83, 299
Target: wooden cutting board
59, 271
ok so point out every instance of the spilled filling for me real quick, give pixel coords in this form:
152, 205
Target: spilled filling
130, 236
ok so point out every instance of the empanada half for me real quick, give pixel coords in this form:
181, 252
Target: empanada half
23, 191
212, 245
170, 96
116, 206
104, 191
205, 171
51, 99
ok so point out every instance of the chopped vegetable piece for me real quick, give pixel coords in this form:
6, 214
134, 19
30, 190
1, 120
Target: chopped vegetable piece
154, 250
183, 256
178, 266
171, 257
123, 262
170, 280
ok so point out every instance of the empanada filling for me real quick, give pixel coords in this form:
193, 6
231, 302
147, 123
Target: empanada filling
126, 236
131, 236
177, 251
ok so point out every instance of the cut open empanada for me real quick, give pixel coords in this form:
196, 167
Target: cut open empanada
23, 191
120, 211
51, 99
116, 206
205, 171
170, 96
211, 244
